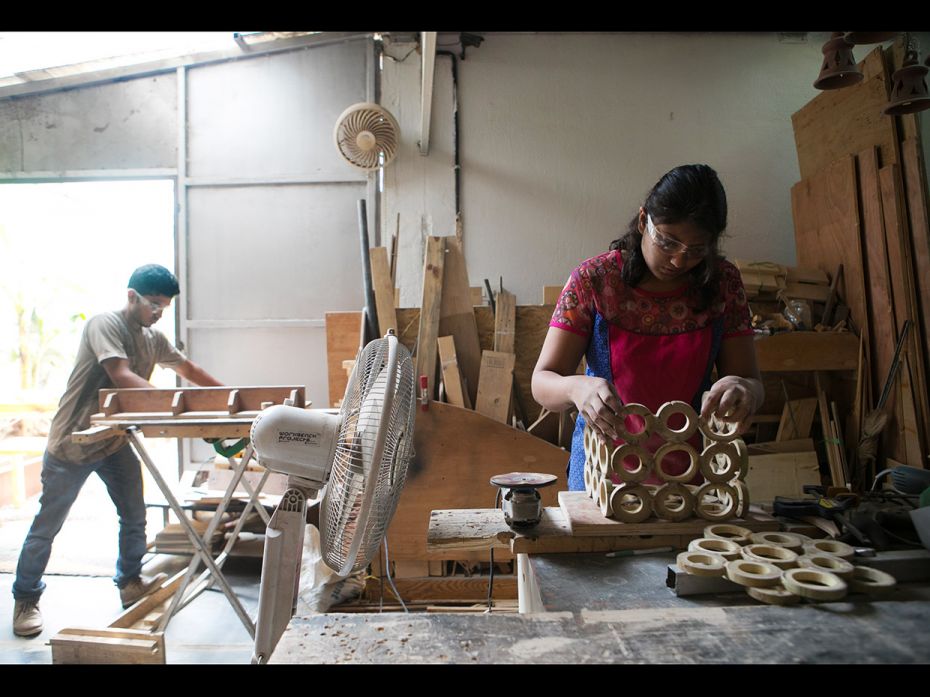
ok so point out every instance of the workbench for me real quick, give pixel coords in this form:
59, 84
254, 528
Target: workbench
578, 605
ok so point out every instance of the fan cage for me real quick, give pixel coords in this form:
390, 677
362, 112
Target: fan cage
341, 508
380, 124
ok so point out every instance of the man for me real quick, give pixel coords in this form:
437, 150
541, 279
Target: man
118, 349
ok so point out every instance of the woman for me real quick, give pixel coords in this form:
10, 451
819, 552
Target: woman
654, 316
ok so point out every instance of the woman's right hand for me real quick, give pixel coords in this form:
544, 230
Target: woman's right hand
597, 400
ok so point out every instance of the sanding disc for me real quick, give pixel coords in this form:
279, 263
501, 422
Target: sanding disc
523, 480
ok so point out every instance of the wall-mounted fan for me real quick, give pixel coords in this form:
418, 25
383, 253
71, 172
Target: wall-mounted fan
358, 458
366, 135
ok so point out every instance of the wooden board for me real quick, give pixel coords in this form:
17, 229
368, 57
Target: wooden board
505, 321
826, 230
785, 446
494, 385
428, 330
781, 474
456, 314
802, 351
841, 122
457, 451
384, 289
584, 518
476, 530
878, 283
796, 419
95, 646
150, 400
451, 375
551, 294
343, 340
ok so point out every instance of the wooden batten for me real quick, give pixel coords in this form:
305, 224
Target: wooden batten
451, 375
796, 419
457, 315
429, 317
383, 286
494, 385
194, 400
505, 321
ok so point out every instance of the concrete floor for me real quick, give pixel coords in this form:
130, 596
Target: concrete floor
80, 591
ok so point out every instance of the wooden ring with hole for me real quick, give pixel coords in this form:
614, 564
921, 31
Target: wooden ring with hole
827, 562
742, 490
588, 440
666, 411
716, 512
603, 456
782, 557
635, 410
755, 574
834, 547
711, 456
727, 549
588, 485
725, 531
774, 595
718, 430
701, 563
603, 496
816, 585
631, 512
626, 450
683, 506
789, 540
865, 579
694, 462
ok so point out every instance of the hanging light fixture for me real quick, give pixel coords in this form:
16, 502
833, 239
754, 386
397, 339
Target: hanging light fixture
909, 85
858, 38
839, 68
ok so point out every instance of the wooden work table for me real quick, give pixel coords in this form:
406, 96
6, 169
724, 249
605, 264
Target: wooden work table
619, 610
591, 608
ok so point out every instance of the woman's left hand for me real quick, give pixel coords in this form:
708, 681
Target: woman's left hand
732, 399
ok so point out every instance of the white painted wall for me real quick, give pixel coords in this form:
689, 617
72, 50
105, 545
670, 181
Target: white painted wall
563, 134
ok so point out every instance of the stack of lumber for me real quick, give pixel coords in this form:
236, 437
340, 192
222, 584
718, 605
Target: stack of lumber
768, 283
862, 204
172, 539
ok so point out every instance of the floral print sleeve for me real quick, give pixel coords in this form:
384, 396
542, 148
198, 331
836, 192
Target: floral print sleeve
573, 309
737, 320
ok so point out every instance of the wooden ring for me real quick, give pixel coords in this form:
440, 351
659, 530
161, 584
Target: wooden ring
603, 496
588, 483
666, 411
827, 562
716, 512
724, 531
588, 440
816, 585
775, 595
711, 457
681, 509
624, 451
789, 540
834, 547
742, 489
693, 465
635, 410
865, 579
742, 456
715, 429
631, 512
755, 574
603, 456
727, 549
782, 557
701, 563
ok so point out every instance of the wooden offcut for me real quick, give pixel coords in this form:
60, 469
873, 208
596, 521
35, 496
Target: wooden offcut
505, 321
343, 341
494, 385
782, 474
457, 313
116, 646
451, 373
430, 307
384, 289
796, 419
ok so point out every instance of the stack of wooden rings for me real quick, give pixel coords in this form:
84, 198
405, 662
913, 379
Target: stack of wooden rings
723, 462
780, 568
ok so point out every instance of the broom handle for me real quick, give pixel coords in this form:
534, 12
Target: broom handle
886, 390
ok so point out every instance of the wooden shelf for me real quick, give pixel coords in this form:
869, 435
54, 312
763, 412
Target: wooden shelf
801, 351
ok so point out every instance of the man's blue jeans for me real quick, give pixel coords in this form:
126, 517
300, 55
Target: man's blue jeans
61, 483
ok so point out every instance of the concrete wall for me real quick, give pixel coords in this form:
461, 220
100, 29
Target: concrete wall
562, 135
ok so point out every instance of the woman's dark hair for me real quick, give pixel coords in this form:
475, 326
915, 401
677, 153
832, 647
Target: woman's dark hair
153, 279
689, 193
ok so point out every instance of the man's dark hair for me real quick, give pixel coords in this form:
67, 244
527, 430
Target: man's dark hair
153, 279
691, 193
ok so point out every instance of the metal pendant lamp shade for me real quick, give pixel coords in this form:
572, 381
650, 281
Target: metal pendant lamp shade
869, 37
839, 68
909, 87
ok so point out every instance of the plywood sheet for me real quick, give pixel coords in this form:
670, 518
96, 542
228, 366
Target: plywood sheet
781, 474
343, 339
842, 122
